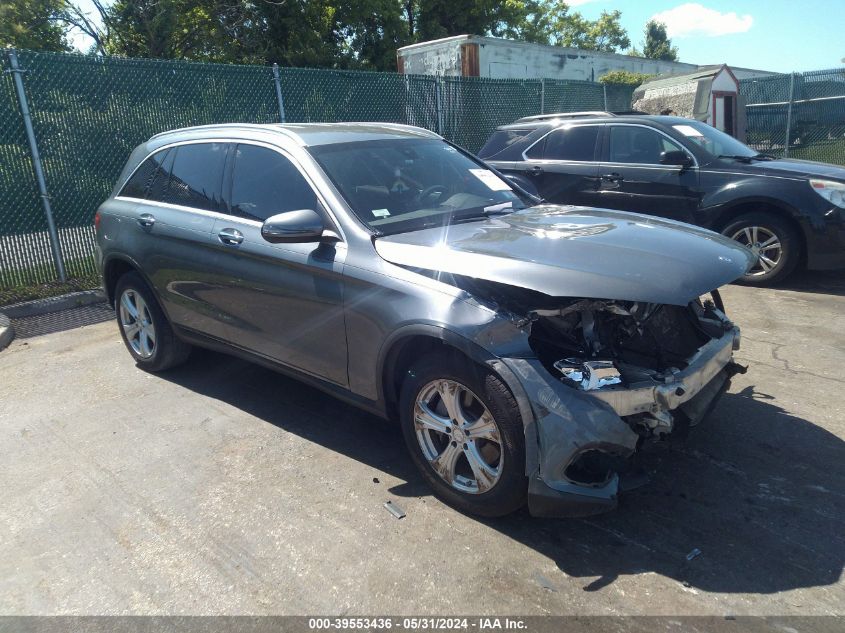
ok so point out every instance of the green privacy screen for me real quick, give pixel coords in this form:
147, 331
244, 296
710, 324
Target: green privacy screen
801, 115
88, 114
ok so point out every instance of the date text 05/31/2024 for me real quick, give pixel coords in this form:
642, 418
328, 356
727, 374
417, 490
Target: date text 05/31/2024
417, 624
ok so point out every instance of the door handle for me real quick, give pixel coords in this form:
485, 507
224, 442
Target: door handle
614, 177
146, 220
536, 170
233, 237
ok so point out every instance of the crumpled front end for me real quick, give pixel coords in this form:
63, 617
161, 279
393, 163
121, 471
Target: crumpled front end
608, 377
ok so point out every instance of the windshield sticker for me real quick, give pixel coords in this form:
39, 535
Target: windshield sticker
687, 130
380, 213
493, 182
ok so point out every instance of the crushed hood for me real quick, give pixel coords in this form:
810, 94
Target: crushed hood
566, 251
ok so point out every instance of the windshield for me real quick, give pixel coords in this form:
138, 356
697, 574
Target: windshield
713, 141
399, 185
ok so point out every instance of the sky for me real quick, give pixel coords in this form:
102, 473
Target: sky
774, 35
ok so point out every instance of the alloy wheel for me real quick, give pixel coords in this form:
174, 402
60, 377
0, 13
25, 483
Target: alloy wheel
137, 323
458, 436
764, 244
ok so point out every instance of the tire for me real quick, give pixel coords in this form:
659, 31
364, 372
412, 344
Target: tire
766, 227
154, 346
473, 489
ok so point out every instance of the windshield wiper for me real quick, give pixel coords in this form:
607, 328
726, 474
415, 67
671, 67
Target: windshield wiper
740, 157
747, 159
503, 207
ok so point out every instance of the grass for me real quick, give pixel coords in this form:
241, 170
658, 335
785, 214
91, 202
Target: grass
41, 284
832, 151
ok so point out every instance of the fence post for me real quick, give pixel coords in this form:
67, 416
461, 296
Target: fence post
278, 81
542, 96
438, 104
604, 92
789, 114
55, 247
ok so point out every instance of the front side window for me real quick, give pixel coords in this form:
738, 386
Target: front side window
399, 185
640, 145
577, 143
192, 176
265, 183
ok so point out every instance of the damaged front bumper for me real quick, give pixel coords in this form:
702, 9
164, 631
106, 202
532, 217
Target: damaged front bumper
585, 436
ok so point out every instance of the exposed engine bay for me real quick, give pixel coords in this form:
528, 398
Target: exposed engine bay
633, 355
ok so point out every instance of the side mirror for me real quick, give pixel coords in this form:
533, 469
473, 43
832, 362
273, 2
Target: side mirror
676, 157
304, 225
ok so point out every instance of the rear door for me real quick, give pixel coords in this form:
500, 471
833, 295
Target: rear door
563, 164
282, 301
174, 196
633, 179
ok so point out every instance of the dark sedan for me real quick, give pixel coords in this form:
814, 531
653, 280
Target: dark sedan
788, 212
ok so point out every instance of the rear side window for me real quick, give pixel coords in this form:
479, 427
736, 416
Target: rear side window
138, 185
265, 183
191, 176
501, 140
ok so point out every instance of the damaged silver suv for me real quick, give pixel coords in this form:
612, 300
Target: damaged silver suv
527, 350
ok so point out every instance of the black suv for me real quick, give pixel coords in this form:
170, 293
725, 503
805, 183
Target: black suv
788, 212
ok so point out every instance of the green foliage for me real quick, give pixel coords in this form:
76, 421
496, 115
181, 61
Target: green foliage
32, 24
326, 33
657, 44
624, 78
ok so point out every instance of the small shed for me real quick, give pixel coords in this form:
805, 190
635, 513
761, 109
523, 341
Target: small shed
709, 94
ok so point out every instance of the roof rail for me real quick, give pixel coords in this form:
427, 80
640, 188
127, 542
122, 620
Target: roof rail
564, 115
248, 126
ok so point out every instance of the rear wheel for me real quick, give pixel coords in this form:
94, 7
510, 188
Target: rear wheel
774, 243
465, 435
144, 328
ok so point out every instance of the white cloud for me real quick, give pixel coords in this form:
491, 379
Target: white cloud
695, 19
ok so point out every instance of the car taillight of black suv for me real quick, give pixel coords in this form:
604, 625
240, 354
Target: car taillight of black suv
787, 212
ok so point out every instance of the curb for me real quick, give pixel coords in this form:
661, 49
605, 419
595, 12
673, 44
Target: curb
53, 304
7, 332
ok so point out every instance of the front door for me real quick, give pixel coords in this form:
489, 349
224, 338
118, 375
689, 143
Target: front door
282, 301
633, 179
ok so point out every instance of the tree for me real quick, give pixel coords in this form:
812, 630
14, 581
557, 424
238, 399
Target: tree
373, 30
624, 77
573, 30
32, 24
657, 44
442, 18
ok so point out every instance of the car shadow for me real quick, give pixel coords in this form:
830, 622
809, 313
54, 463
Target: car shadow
752, 502
824, 282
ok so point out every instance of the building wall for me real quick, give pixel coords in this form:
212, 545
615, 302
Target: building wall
504, 59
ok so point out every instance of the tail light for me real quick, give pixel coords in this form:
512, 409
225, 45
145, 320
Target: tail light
97, 221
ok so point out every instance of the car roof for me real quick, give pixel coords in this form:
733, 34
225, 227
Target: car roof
303, 134
552, 121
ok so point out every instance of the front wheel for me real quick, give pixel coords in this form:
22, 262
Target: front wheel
774, 243
465, 435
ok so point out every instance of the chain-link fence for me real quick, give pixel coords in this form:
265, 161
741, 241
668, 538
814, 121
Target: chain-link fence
88, 113
800, 115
